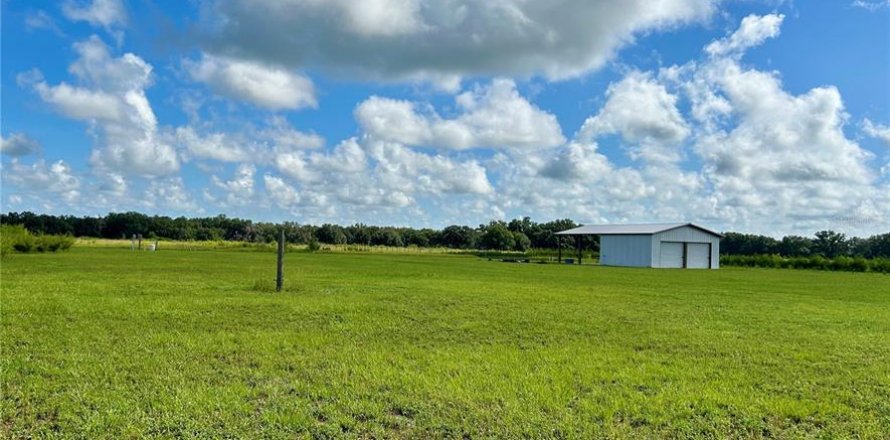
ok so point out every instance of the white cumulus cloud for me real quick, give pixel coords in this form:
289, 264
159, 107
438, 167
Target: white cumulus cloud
877, 131
264, 85
106, 13
645, 114
493, 116
112, 99
754, 30
40, 178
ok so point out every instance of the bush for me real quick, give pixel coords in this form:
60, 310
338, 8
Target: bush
53, 243
15, 238
859, 264
879, 265
24, 244
18, 239
313, 246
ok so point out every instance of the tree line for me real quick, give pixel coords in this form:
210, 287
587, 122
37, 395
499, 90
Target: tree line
517, 234
828, 244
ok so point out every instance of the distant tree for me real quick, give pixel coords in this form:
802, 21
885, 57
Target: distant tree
734, 243
524, 225
496, 236
458, 237
330, 234
361, 234
830, 244
417, 237
879, 246
858, 247
521, 242
795, 246
387, 237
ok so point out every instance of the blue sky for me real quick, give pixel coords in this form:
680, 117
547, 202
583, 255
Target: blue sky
761, 116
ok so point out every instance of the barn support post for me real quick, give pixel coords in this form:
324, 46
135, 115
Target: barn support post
559, 248
578, 240
279, 280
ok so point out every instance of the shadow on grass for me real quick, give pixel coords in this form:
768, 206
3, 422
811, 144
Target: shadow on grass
268, 286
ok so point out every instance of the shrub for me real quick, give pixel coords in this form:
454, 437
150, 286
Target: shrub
24, 244
859, 264
879, 265
15, 238
18, 239
313, 246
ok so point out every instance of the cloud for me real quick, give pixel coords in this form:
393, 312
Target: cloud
112, 99
284, 195
347, 157
112, 184
253, 145
216, 146
490, 116
40, 178
754, 30
365, 176
169, 194
41, 20
412, 39
81, 103
18, 144
877, 131
239, 190
765, 160
399, 167
105, 13
285, 138
645, 114
266, 86
872, 5
577, 161
780, 157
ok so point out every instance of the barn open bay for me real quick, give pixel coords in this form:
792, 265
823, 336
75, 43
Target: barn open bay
113, 343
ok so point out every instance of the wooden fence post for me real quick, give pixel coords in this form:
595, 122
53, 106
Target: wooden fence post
279, 281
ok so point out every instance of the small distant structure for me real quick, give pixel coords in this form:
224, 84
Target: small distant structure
664, 245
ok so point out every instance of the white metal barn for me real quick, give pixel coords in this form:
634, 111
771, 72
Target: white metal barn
669, 245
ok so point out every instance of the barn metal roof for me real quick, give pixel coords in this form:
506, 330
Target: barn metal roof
646, 229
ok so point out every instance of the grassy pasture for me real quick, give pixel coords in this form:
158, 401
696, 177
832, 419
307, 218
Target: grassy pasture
108, 343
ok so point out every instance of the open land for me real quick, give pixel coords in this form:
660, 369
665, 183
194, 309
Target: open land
103, 342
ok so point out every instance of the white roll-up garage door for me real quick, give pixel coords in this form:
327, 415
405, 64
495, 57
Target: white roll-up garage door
698, 255
671, 254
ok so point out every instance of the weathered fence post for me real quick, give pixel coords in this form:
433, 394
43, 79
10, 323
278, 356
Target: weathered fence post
280, 279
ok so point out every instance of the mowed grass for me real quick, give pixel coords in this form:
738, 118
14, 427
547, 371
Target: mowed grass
109, 343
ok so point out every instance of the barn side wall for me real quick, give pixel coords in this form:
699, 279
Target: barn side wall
626, 250
686, 234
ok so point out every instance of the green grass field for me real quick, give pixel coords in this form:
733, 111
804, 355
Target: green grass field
108, 343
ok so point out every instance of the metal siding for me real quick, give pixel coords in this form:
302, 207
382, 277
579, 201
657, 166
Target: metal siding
689, 235
626, 250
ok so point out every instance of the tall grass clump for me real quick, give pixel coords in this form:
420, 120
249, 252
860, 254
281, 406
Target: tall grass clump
15, 238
